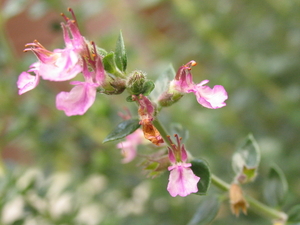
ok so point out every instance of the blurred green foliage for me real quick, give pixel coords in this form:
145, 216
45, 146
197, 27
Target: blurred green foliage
252, 48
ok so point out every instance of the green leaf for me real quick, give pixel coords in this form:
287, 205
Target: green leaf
120, 54
294, 214
206, 212
275, 187
162, 83
109, 63
201, 169
122, 130
246, 159
148, 87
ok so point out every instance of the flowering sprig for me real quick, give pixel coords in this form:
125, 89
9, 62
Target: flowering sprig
106, 73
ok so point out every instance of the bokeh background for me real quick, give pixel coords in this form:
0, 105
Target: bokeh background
56, 169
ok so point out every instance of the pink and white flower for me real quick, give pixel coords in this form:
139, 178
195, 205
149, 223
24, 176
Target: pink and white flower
182, 180
83, 95
210, 98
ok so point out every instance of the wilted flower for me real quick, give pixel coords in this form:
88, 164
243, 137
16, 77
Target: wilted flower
146, 113
237, 200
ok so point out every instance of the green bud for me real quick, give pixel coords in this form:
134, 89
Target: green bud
137, 83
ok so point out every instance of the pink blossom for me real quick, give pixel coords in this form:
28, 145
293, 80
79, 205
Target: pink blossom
182, 180
82, 96
129, 147
210, 98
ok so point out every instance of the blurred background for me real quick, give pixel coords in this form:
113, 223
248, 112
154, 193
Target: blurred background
57, 171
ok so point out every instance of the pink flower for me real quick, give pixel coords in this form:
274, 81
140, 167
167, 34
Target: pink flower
182, 180
59, 65
82, 96
210, 98
129, 147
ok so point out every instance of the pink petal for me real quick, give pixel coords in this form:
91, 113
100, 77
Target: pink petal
211, 98
182, 180
78, 100
27, 82
129, 147
65, 67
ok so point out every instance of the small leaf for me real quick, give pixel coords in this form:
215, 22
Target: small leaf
120, 54
246, 159
294, 214
206, 212
162, 83
148, 87
129, 99
276, 187
109, 63
201, 169
122, 130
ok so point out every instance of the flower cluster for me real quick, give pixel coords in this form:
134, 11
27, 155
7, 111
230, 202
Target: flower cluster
105, 73
79, 56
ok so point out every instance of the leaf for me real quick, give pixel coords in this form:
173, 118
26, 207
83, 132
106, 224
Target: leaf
201, 169
162, 83
109, 63
122, 130
275, 187
294, 214
206, 212
120, 54
148, 87
246, 159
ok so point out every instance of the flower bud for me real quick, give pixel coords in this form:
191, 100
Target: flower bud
137, 83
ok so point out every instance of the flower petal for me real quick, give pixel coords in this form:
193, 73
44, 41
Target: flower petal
78, 100
182, 180
27, 82
211, 98
65, 67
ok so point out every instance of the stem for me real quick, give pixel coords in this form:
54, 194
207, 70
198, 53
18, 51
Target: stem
256, 205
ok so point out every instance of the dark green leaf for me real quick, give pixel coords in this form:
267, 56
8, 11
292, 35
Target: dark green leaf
120, 54
294, 214
206, 211
122, 130
246, 159
276, 187
201, 169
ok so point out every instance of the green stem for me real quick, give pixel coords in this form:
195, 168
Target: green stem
162, 131
257, 206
